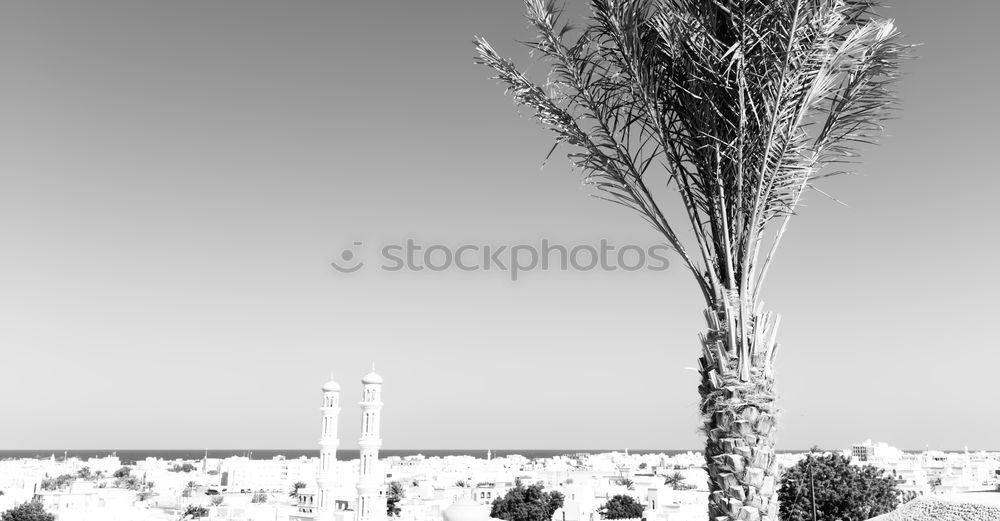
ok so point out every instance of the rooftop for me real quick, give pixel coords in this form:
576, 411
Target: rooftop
927, 509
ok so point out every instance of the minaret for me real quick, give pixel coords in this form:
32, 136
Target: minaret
371, 490
326, 478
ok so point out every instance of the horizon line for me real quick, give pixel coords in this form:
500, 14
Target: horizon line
452, 450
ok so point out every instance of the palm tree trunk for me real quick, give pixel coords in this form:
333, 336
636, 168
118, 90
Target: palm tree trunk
737, 406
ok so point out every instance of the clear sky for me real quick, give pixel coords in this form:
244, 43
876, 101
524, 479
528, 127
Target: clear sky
175, 177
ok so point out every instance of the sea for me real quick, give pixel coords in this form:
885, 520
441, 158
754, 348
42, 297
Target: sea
129, 456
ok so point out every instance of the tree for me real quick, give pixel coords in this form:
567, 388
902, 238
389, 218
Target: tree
48, 484
194, 512
122, 472
186, 467
627, 483
675, 480
526, 503
842, 490
715, 117
57, 482
392, 497
30, 511
295, 488
621, 507
216, 501
259, 497
84, 473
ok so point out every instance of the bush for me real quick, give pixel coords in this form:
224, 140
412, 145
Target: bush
195, 512
32, 511
621, 507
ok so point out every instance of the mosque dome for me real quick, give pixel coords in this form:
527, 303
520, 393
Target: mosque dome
465, 509
331, 387
372, 378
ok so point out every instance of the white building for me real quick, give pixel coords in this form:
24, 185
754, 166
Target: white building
326, 479
82, 501
371, 481
242, 474
326, 500
878, 454
331, 499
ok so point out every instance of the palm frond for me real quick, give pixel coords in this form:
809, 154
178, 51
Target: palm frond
743, 104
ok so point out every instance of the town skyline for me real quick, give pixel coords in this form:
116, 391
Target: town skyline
179, 178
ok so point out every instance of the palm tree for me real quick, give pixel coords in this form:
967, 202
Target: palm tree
674, 480
393, 495
295, 488
627, 483
730, 110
